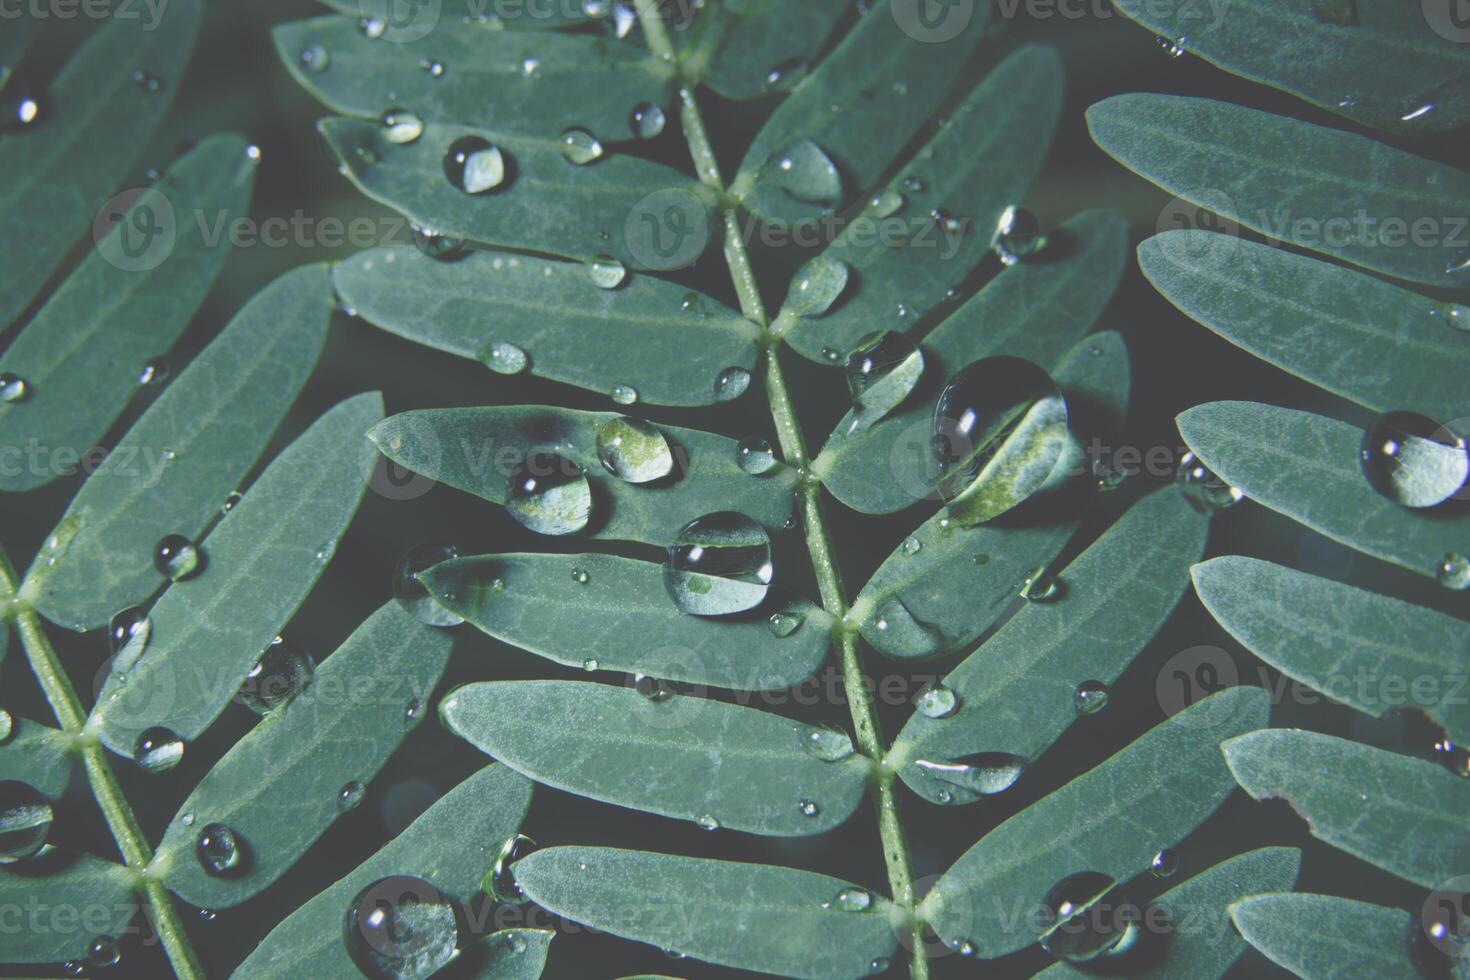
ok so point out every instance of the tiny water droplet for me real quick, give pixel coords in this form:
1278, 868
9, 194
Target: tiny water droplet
708, 822
500, 884
549, 494
979, 775
879, 964
911, 547
158, 750
187, 820
827, 744
690, 302
1203, 488
624, 395
350, 796
1454, 572
851, 899
1164, 864
13, 388
1090, 697
282, 672
531, 67
411, 592
208, 915
607, 272
1086, 922
437, 245
808, 808
647, 121
652, 688
176, 557
1039, 586
401, 126
882, 371
220, 850
1173, 48
314, 59
1413, 461
623, 19
831, 355
914, 185
938, 701
731, 383
755, 456
719, 564
1017, 235
155, 372
590, 664
783, 624
413, 710
102, 952
372, 28
432, 68
401, 927
474, 165
784, 76
633, 450
25, 820
580, 576
580, 146
1456, 315
817, 285
503, 358
886, 203
146, 81
803, 172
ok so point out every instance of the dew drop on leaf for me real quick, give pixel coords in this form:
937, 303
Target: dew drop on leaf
127, 635
401, 927
372, 28
401, 126
937, 701
817, 285
1164, 863
220, 850
176, 558
350, 796
25, 820
984, 774
13, 388
282, 672
1413, 461
1203, 488
624, 395
1455, 315
1090, 697
802, 171
1084, 920
882, 371
412, 710
437, 245
549, 494
589, 665
652, 688
633, 450
474, 165
707, 822
1039, 586
784, 76
412, 594
719, 564
850, 899
731, 383
154, 373
580, 146
783, 624
102, 952
831, 354
1017, 235
914, 184
500, 884
647, 121
755, 456
886, 203
580, 576
158, 750
879, 964
503, 358
314, 59
1173, 48
808, 808
901, 633
1454, 572
432, 68
827, 744
607, 272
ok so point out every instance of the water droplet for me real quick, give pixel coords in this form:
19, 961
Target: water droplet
1164, 864
607, 272
372, 28
127, 636
802, 171
1039, 586
633, 450
176, 558
220, 850
831, 354
783, 624
401, 126
1173, 48
314, 59
549, 494
1203, 488
500, 883
503, 358
808, 808
1017, 235
691, 302
708, 822
851, 899
623, 19
158, 750
817, 285
412, 594
580, 576
102, 952
401, 927
1456, 315
979, 775
474, 165
731, 383
25, 820
413, 710
531, 67
913, 184
1090, 697
13, 388
1085, 920
437, 245
652, 688
719, 564
208, 915
886, 203
1413, 461
827, 744
1341, 13
282, 672
647, 121
7, 726
879, 964
900, 633
882, 371
755, 456
350, 796
590, 665
155, 372
432, 68
1455, 758
938, 701
1454, 572
580, 146
785, 76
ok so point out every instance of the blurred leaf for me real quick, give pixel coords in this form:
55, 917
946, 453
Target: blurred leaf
455, 16
77, 887
478, 449
39, 756
516, 83
1322, 937
1307, 467
510, 954
1111, 820
1368, 651
1381, 346
680, 756
1323, 189
282, 786
82, 354
763, 44
54, 177
539, 603
1036, 310
208, 631
709, 910
452, 846
1200, 943
977, 165
1018, 692
552, 313
887, 76
644, 214
1404, 815
174, 468
1381, 66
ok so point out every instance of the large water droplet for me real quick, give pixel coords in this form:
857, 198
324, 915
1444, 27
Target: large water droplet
220, 850
647, 121
412, 594
401, 927
731, 383
817, 286
1164, 864
624, 395
719, 564
401, 126
882, 371
1039, 586
503, 358
176, 557
1090, 697
13, 388
607, 272
1203, 488
158, 750
282, 672
1413, 461
25, 820
827, 744
1453, 572
1085, 920
102, 952
549, 494
937, 701
851, 899
783, 624
652, 688
580, 147
501, 882
314, 59
437, 245
980, 775
633, 450
707, 822
803, 172
127, 636
755, 456
474, 165
1017, 235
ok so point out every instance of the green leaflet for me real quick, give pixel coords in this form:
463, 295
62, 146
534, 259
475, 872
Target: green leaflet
260, 563
562, 324
173, 469
82, 353
958, 581
977, 165
1035, 310
1306, 467
75, 898
539, 603
452, 846
709, 910
1111, 820
1365, 650
51, 179
1324, 189
644, 214
1381, 69
39, 756
404, 23
477, 450
1404, 815
1200, 943
683, 757
1374, 343
280, 787
1322, 937
1017, 692
510, 954
765, 46
516, 83
887, 76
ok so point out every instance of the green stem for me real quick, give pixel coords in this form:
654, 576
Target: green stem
870, 739
67, 707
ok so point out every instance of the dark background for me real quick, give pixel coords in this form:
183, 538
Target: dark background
236, 83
